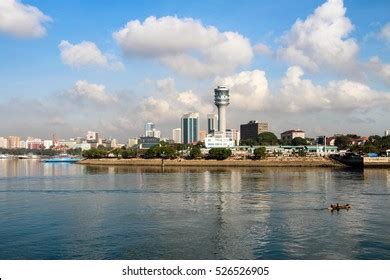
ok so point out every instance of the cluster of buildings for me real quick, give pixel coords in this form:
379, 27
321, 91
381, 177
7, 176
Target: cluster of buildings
216, 135
91, 140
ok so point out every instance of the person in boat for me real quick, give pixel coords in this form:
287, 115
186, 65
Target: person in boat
338, 207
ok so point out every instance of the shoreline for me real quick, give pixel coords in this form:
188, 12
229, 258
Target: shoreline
269, 162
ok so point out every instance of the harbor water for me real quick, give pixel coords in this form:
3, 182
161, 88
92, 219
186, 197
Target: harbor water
72, 211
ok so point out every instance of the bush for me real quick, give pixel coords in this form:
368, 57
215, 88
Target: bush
259, 153
219, 153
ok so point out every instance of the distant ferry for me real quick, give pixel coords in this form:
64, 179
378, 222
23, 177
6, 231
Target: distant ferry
63, 158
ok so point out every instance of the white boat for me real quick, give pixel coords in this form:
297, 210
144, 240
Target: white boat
4, 156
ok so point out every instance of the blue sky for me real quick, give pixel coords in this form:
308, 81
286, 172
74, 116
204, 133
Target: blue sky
328, 73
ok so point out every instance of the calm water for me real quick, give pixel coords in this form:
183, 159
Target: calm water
67, 211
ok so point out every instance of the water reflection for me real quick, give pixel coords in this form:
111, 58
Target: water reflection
70, 211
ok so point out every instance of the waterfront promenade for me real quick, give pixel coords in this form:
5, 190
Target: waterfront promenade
269, 162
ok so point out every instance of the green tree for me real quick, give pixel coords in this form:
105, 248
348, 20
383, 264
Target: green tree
195, 152
219, 153
94, 153
343, 142
128, 153
259, 153
299, 141
160, 152
267, 139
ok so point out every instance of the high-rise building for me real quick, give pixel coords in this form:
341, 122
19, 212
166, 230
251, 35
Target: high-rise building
190, 128
13, 142
221, 100
3, 143
387, 132
176, 135
149, 126
252, 129
212, 123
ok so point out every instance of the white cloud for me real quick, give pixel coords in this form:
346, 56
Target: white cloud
262, 49
249, 89
86, 54
321, 40
85, 91
385, 32
22, 20
382, 70
167, 103
185, 45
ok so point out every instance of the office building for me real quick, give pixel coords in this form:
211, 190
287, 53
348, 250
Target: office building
176, 135
212, 123
190, 128
252, 129
289, 135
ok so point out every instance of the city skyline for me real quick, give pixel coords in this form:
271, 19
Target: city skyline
59, 79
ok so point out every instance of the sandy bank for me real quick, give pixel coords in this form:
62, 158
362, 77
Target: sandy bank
269, 162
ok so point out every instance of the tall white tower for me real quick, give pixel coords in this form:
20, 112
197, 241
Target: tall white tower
221, 100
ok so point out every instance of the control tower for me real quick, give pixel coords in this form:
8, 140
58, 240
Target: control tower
221, 100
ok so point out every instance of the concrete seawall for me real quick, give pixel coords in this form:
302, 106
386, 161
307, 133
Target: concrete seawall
270, 162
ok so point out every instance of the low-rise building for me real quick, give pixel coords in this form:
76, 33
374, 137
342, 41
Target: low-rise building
289, 135
83, 146
34, 143
218, 140
148, 142
234, 135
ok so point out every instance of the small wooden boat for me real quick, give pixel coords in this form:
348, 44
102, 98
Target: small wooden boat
337, 207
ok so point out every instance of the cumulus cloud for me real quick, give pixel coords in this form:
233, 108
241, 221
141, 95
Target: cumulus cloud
262, 49
85, 91
379, 68
22, 20
302, 95
166, 103
86, 54
185, 45
321, 40
249, 89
